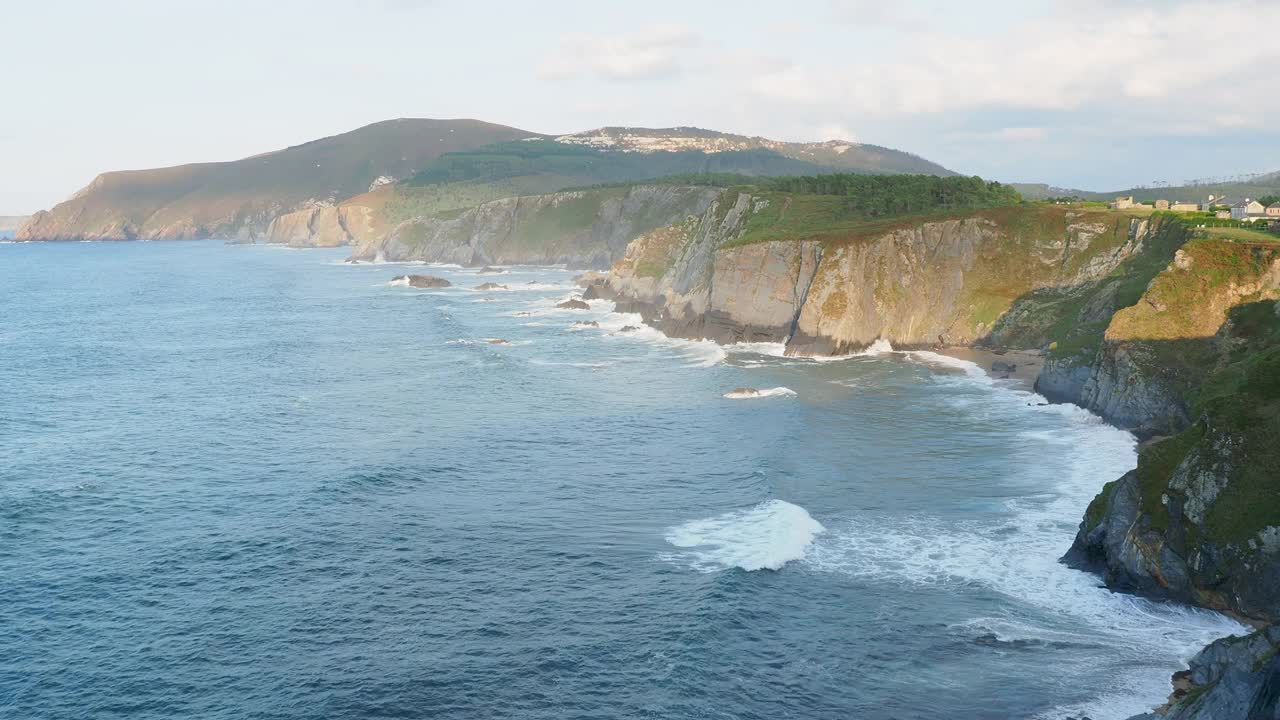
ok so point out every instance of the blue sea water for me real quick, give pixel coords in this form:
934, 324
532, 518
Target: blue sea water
247, 482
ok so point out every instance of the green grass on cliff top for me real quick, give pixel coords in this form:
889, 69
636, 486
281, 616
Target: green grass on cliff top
845, 208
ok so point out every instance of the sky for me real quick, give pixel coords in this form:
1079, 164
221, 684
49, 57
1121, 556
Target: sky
1075, 93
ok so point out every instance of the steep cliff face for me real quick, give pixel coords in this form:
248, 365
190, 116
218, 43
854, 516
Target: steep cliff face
683, 281
589, 228
326, 226
1132, 367
1199, 519
928, 283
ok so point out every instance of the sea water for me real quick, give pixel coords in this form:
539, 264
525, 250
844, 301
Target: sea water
247, 482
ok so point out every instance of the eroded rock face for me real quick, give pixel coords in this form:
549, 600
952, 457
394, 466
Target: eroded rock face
588, 229
1235, 678
324, 226
935, 283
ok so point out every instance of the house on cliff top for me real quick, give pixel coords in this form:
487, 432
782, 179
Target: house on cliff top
1248, 210
1121, 203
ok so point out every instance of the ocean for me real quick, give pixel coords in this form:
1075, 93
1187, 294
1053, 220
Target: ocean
251, 482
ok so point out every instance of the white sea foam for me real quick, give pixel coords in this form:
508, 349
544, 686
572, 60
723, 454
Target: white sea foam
1018, 556
879, 347
778, 351
750, 394
763, 537
700, 353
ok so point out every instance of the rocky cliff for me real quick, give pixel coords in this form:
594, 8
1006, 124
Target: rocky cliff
1199, 519
940, 281
587, 228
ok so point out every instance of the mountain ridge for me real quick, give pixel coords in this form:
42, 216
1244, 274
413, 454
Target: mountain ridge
239, 200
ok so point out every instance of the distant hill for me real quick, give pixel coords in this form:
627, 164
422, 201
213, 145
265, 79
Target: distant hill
839, 155
1253, 187
240, 198
1041, 191
388, 172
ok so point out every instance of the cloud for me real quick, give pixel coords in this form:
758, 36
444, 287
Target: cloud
652, 53
1183, 56
880, 13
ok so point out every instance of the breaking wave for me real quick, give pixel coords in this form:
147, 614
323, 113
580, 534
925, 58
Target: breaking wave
764, 537
751, 393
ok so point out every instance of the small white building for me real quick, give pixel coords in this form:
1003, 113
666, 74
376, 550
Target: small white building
1121, 203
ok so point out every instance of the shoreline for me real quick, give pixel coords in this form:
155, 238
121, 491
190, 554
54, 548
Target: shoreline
1026, 364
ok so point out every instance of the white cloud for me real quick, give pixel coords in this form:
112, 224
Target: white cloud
655, 52
1186, 56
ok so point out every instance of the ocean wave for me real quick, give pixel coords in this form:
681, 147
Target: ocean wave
751, 393
1018, 555
763, 537
700, 353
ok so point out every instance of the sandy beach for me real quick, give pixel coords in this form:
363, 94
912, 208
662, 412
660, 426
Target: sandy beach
1027, 364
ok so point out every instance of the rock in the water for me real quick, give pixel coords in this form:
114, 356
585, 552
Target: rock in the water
629, 328
498, 341
574, 304
422, 281
1002, 366
591, 293
490, 286
742, 392
487, 270
524, 313
586, 323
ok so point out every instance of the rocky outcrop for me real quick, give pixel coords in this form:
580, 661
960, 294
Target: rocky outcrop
1235, 678
589, 228
421, 281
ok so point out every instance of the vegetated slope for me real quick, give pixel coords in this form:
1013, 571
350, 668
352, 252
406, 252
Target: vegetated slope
591, 227
238, 199
536, 166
